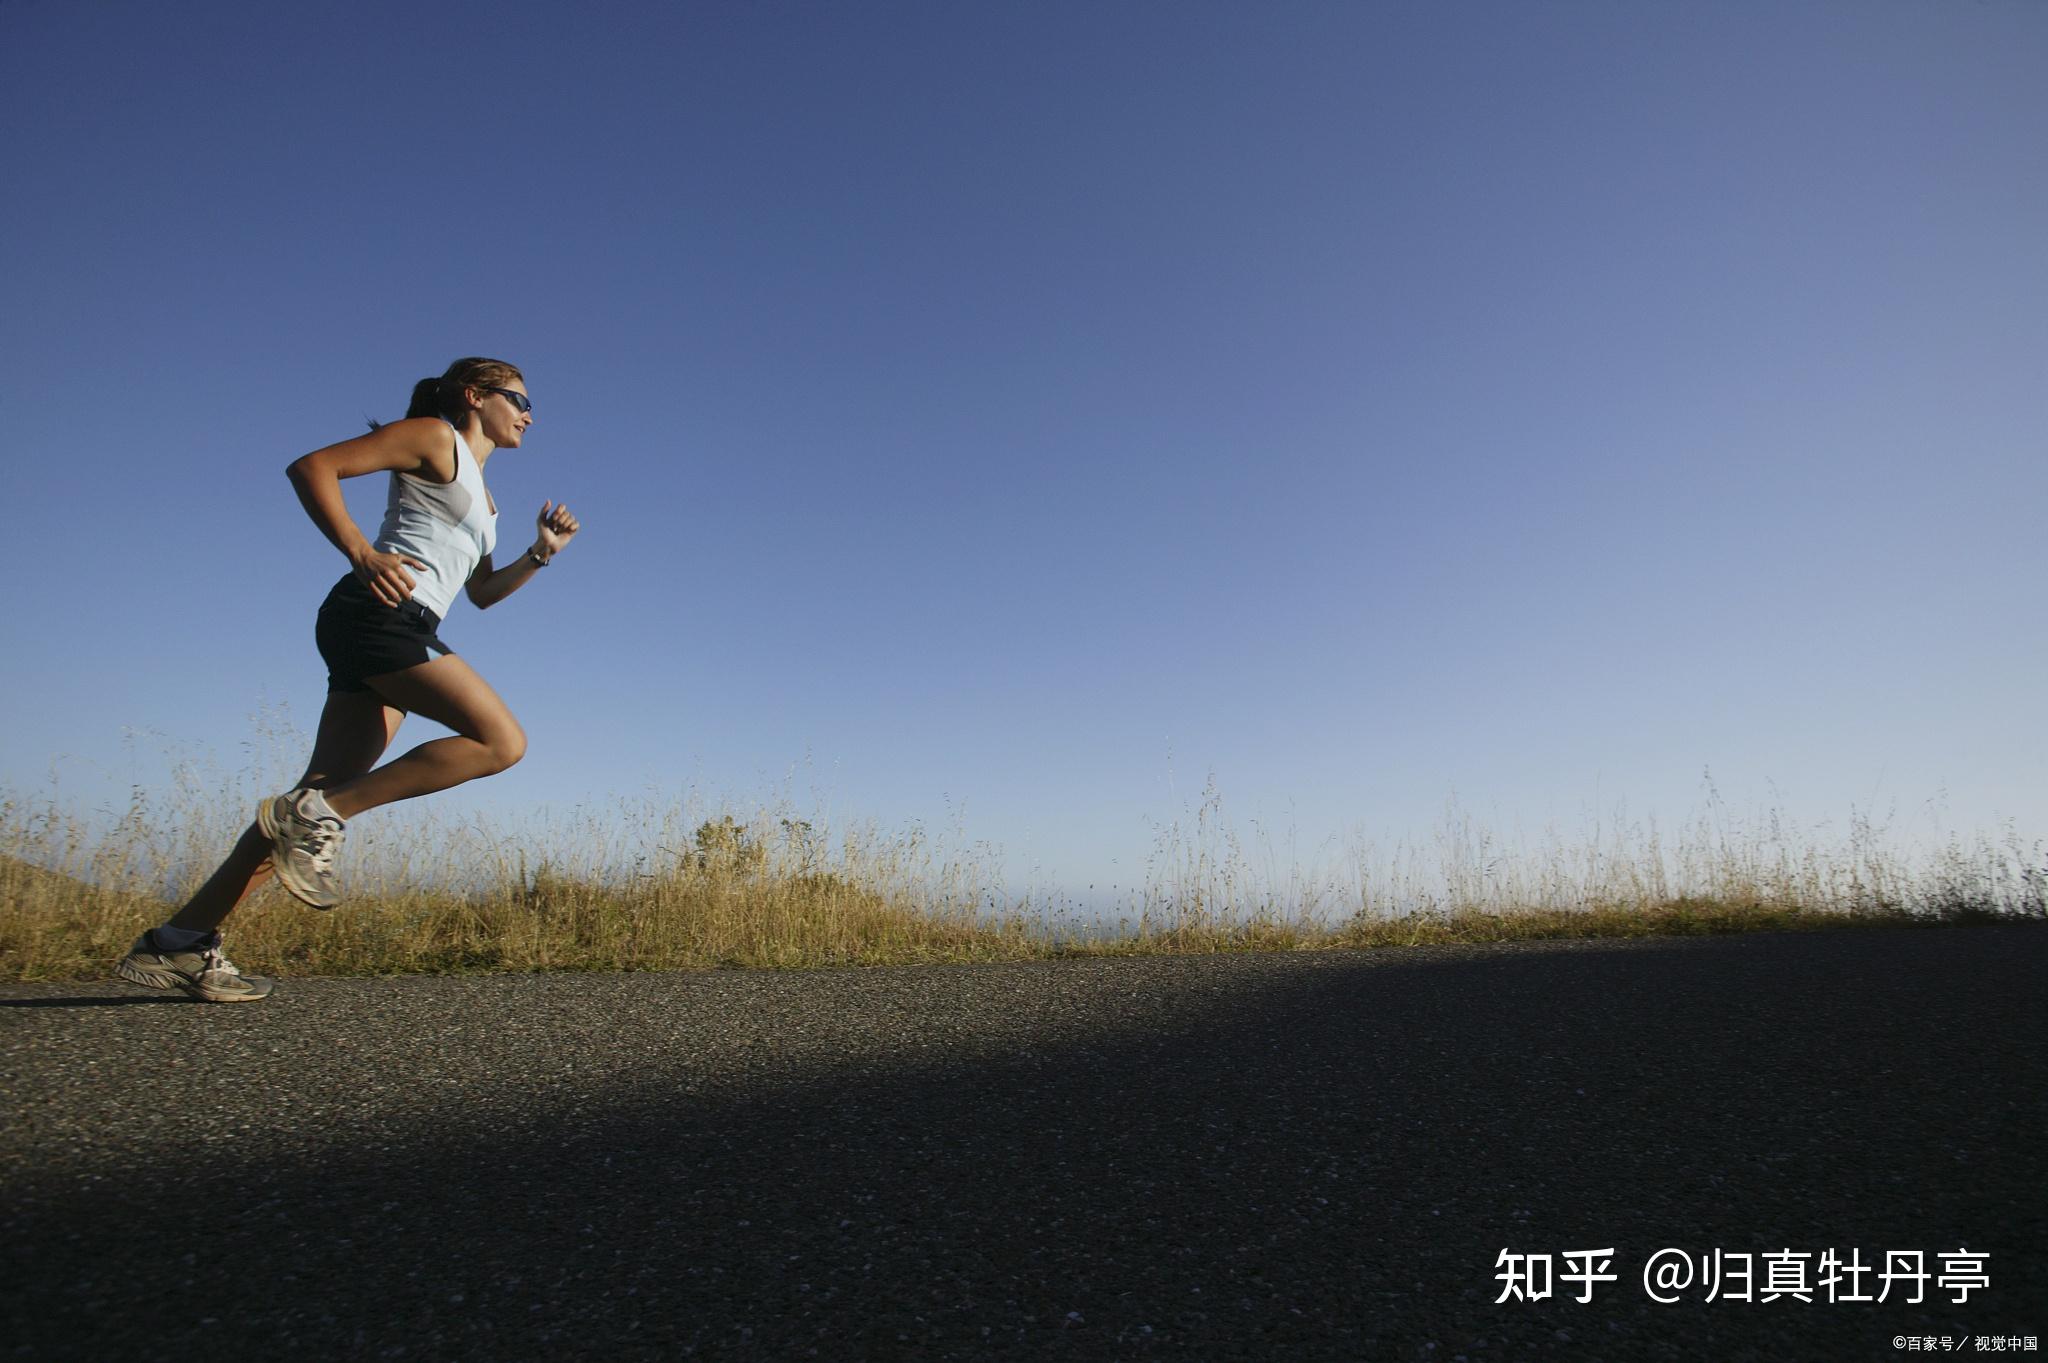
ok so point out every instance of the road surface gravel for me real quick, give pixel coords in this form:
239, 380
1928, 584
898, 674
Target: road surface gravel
1273, 1156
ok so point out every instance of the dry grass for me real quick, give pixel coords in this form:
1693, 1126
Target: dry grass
656, 888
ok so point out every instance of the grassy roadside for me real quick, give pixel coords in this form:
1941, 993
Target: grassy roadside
53, 927
666, 889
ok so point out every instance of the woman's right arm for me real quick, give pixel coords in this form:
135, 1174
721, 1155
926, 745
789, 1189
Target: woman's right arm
419, 445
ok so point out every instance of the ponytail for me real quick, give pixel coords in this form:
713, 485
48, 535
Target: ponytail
426, 398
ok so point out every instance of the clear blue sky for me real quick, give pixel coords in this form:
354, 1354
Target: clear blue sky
1012, 414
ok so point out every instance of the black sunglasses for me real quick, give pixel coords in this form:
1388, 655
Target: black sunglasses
518, 400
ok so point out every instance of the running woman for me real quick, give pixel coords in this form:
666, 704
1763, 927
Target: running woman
378, 631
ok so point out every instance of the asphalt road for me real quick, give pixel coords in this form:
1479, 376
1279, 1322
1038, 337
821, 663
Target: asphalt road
1244, 1157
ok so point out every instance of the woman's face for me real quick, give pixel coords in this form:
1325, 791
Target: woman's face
504, 424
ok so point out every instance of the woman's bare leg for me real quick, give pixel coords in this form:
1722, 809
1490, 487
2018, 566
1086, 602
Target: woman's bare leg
449, 692
355, 729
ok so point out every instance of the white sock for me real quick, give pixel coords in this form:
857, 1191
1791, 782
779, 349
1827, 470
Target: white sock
319, 807
177, 939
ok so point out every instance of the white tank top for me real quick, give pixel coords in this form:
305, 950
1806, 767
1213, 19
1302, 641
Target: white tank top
447, 526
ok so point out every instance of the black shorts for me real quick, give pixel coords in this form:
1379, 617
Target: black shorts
360, 636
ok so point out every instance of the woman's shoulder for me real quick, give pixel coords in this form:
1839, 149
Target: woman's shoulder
433, 441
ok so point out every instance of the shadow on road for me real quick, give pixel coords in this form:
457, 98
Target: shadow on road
1300, 1158
95, 1001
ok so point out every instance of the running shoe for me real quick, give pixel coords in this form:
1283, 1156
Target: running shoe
304, 836
201, 970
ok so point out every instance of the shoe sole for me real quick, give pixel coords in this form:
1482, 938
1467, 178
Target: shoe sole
149, 978
204, 997
286, 876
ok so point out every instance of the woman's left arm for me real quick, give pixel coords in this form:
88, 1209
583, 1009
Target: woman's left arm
488, 586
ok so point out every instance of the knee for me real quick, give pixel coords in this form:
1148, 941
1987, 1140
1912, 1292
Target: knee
506, 748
